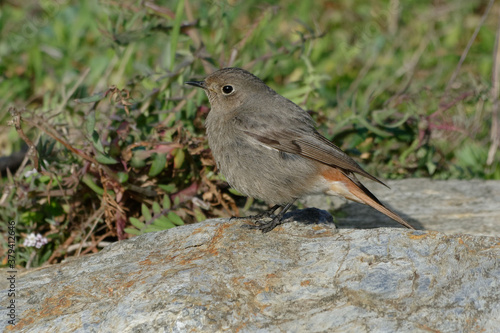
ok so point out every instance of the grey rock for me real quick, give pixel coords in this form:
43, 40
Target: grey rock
218, 276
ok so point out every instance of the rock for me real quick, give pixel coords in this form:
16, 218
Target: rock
218, 276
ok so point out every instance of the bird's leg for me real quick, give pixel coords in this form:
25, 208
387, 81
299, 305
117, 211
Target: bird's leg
263, 223
267, 214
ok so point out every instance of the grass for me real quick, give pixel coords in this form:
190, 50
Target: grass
409, 89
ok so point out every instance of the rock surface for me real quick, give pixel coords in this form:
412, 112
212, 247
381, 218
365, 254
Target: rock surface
219, 276
304, 276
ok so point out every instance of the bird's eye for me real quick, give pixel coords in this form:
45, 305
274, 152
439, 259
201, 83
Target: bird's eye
227, 90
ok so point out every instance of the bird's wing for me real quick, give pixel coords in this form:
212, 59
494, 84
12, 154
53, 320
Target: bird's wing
297, 135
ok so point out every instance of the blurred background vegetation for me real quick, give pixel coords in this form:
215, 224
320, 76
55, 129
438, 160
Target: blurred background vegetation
93, 91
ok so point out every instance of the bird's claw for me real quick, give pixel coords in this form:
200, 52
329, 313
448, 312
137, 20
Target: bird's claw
265, 224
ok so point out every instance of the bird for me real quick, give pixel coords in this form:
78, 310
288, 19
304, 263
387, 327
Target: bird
268, 148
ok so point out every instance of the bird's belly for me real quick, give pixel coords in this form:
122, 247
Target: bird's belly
265, 173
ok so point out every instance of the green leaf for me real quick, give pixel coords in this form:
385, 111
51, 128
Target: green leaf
146, 213
235, 192
122, 177
87, 180
46, 256
136, 223
132, 231
44, 178
248, 204
153, 228
198, 214
129, 37
175, 218
96, 142
158, 164
163, 223
29, 217
372, 128
404, 155
340, 125
101, 158
174, 35
179, 157
166, 202
170, 188
91, 99
431, 167
90, 123
136, 162
380, 117
156, 208
297, 93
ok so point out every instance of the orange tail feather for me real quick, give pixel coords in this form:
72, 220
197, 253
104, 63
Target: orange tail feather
369, 200
348, 186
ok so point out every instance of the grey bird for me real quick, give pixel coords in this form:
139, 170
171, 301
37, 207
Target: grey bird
267, 147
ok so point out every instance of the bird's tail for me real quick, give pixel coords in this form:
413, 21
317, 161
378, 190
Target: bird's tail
347, 185
366, 197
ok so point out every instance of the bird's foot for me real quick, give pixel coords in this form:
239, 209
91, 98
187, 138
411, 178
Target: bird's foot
267, 221
266, 224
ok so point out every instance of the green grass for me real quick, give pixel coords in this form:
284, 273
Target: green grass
120, 141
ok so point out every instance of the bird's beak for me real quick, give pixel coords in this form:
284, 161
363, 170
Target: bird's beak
199, 84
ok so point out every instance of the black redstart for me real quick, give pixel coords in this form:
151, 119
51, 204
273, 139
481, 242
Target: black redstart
268, 148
